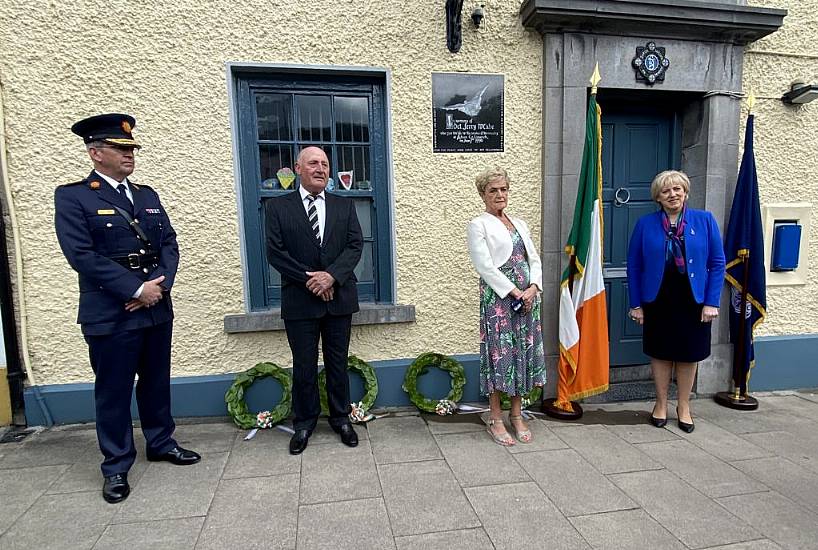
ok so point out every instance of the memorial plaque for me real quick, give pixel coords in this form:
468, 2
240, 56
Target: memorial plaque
467, 112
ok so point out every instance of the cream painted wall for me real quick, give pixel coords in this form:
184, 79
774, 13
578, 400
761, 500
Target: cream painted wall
165, 63
61, 61
785, 146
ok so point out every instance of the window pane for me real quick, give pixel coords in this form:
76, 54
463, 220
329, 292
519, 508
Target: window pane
273, 158
363, 271
352, 119
364, 210
274, 113
356, 159
315, 116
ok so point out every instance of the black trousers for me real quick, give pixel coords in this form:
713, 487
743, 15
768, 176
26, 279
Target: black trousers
116, 359
303, 336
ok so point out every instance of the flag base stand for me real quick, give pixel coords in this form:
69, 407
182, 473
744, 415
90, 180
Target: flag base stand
550, 409
743, 403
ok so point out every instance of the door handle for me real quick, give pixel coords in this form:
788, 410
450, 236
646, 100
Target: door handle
622, 196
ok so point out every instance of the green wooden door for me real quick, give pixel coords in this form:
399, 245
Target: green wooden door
636, 145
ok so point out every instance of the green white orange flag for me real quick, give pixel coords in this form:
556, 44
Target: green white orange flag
583, 321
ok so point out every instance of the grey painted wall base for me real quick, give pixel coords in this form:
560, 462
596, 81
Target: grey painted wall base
204, 395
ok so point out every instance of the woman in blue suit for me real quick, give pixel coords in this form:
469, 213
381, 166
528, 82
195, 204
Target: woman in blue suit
675, 275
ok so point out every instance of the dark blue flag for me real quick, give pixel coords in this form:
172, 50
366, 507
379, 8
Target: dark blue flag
744, 252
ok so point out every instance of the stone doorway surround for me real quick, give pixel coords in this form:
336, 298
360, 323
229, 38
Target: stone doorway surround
704, 41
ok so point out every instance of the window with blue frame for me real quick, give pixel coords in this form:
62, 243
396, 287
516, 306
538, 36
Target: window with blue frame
344, 115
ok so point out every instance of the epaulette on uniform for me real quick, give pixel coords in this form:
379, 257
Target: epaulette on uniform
72, 184
140, 186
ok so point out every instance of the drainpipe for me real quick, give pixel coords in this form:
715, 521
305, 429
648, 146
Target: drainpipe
15, 373
19, 368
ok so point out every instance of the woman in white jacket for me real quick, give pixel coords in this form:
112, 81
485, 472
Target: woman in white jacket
511, 346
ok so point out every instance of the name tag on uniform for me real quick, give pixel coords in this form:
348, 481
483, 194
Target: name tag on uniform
152, 210
105, 212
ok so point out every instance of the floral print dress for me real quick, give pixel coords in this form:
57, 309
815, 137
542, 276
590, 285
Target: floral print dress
511, 347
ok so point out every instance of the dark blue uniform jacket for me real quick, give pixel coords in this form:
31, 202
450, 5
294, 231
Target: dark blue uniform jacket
93, 236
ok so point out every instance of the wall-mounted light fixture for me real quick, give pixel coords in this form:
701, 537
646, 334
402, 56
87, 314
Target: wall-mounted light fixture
454, 31
800, 93
477, 15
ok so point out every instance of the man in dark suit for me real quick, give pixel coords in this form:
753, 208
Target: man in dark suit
314, 241
118, 238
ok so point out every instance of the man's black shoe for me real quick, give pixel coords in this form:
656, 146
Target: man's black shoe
348, 435
116, 488
299, 441
178, 456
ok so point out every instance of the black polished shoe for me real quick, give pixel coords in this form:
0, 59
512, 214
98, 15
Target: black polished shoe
658, 422
299, 441
684, 426
348, 435
115, 488
178, 456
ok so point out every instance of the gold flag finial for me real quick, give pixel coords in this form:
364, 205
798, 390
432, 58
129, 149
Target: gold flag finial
595, 78
751, 101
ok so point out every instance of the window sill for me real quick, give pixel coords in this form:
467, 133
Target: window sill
270, 320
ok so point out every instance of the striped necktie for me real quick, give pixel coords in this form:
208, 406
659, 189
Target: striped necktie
312, 214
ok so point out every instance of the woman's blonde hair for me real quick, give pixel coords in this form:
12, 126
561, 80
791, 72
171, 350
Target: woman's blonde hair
483, 178
668, 177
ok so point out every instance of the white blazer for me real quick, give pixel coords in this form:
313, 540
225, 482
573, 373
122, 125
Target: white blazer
490, 247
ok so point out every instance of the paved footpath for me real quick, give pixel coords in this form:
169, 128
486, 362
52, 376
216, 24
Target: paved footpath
740, 481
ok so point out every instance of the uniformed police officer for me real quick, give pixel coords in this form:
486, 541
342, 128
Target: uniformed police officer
118, 238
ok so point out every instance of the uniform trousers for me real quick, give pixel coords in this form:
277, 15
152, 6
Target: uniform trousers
303, 336
116, 359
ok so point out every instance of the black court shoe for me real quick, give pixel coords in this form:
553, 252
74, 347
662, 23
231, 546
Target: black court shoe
658, 422
684, 426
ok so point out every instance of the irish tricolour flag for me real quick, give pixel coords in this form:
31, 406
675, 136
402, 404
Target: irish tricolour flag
583, 324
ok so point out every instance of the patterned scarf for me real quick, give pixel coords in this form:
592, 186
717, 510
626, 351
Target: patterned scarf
673, 240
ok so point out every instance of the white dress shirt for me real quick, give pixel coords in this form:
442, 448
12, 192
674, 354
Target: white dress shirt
116, 184
320, 208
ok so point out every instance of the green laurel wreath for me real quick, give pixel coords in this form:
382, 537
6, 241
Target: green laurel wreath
237, 406
420, 366
528, 399
370, 383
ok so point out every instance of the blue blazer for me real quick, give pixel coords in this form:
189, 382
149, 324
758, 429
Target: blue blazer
704, 258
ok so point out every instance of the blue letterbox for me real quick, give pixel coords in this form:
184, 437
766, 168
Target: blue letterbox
786, 244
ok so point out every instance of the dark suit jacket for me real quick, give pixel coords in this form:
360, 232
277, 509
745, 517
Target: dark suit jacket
90, 233
293, 250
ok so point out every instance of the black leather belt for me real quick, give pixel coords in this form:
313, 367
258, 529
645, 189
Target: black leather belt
137, 261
